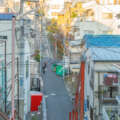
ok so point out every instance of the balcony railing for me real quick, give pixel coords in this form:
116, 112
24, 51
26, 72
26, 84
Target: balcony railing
111, 112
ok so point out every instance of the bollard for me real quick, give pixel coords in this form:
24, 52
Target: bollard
73, 115
69, 115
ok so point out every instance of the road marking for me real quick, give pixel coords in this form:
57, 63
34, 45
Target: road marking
51, 94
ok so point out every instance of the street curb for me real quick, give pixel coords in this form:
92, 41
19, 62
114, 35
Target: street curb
44, 109
44, 106
68, 90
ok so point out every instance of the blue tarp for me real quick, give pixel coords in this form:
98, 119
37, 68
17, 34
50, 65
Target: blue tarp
6, 16
102, 40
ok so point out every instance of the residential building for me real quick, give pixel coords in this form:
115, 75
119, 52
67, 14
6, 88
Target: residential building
101, 77
24, 68
21, 81
66, 17
108, 2
6, 62
79, 29
105, 12
54, 8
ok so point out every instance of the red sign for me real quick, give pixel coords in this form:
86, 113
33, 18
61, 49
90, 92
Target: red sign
110, 79
36, 100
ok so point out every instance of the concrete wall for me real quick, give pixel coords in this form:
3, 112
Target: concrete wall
6, 30
85, 28
113, 23
75, 49
75, 57
27, 78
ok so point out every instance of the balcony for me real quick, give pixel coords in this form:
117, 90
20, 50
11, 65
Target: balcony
111, 112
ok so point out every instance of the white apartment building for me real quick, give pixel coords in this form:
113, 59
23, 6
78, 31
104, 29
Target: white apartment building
79, 29
105, 12
108, 2
6, 35
54, 7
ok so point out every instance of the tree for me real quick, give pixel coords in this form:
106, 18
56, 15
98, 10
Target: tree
55, 37
37, 55
74, 15
52, 26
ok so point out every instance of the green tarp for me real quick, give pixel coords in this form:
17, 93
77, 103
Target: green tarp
60, 70
54, 67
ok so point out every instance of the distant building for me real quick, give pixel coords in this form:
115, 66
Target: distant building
108, 2
54, 8
105, 12
79, 29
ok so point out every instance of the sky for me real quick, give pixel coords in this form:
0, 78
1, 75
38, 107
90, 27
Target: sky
56, 1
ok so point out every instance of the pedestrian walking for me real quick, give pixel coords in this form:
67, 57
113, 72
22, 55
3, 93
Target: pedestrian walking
44, 67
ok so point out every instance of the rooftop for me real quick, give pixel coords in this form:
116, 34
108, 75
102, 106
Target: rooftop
75, 43
6, 16
105, 54
102, 41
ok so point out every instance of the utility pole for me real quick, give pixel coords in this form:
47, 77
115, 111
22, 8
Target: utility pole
22, 100
64, 51
18, 85
36, 19
41, 28
40, 40
13, 68
5, 79
21, 63
21, 6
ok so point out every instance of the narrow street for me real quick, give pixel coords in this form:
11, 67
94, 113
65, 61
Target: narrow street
58, 101
60, 60
56, 96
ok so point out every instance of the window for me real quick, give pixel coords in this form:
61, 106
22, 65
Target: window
88, 68
89, 32
91, 113
78, 34
110, 92
88, 102
107, 15
92, 79
35, 84
110, 79
27, 68
76, 29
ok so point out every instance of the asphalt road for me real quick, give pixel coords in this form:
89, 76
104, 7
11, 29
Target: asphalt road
58, 103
